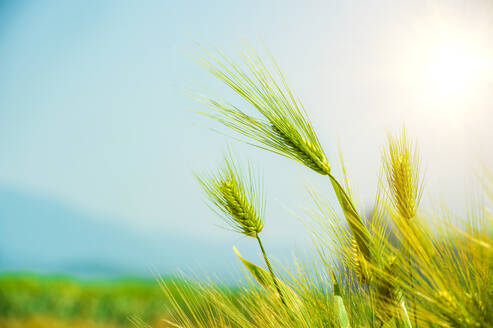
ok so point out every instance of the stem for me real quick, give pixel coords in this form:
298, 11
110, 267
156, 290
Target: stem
267, 262
372, 304
413, 308
406, 320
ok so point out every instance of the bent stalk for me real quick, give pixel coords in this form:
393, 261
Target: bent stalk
267, 262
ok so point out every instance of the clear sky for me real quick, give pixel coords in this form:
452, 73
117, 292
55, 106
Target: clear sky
93, 116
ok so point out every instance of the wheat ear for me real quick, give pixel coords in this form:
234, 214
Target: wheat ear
237, 198
401, 165
239, 203
283, 126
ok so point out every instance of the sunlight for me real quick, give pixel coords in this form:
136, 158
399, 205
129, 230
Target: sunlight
445, 64
453, 68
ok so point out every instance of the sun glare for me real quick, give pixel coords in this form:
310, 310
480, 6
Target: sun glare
446, 63
453, 68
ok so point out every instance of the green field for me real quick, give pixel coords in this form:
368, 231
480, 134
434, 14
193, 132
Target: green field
59, 301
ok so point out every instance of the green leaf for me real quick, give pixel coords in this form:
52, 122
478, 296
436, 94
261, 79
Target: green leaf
358, 228
264, 278
405, 316
342, 316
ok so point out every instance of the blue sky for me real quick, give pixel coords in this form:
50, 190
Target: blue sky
93, 116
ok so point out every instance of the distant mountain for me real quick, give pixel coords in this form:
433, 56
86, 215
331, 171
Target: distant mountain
40, 234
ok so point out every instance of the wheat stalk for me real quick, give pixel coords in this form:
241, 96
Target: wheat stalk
401, 165
237, 197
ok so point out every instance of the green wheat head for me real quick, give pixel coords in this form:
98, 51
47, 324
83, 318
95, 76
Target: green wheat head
283, 126
236, 197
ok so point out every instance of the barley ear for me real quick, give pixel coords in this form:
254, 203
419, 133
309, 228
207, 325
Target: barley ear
236, 197
359, 263
282, 126
402, 166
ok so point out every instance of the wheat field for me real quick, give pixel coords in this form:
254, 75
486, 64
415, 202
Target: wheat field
400, 266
